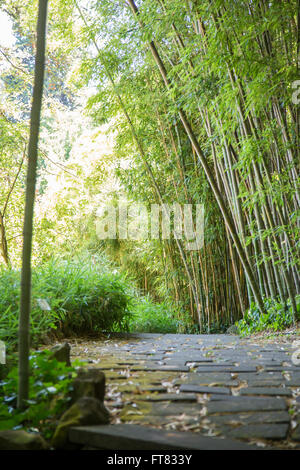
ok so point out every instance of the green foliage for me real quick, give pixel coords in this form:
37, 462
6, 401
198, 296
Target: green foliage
50, 387
277, 317
216, 328
150, 317
232, 74
231, 67
88, 298
83, 296
166, 317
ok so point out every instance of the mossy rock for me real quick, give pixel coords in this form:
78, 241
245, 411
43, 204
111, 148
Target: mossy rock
21, 440
89, 383
61, 352
86, 411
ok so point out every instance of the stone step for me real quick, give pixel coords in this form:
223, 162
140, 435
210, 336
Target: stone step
135, 437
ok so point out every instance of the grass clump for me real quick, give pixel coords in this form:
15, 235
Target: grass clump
150, 317
277, 317
77, 296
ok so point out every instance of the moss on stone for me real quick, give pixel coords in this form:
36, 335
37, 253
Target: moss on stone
86, 411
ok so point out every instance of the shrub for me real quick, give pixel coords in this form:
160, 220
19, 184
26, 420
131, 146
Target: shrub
149, 317
50, 387
277, 317
82, 295
87, 298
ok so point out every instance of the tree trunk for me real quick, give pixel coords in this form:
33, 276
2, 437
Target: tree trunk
208, 173
3, 241
25, 304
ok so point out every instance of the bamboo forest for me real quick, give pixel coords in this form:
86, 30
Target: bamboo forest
149, 226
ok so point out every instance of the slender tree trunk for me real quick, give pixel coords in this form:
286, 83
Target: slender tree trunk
190, 133
143, 157
25, 304
3, 241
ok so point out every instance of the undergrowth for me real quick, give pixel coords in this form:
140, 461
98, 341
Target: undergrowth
50, 387
81, 296
277, 317
78, 296
151, 317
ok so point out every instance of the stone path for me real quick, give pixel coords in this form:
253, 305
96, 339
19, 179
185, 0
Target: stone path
211, 385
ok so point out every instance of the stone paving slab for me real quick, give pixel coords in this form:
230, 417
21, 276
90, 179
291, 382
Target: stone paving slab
251, 418
167, 408
263, 431
238, 404
203, 385
175, 368
294, 380
208, 379
226, 368
174, 397
134, 437
262, 379
295, 436
278, 391
199, 389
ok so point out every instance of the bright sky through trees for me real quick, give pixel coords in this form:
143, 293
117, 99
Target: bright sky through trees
6, 34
